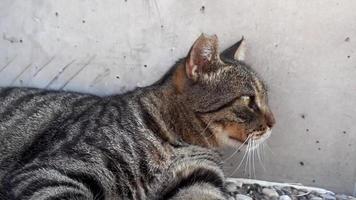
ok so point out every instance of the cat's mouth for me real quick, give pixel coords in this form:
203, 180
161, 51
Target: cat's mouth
235, 135
261, 137
253, 135
257, 136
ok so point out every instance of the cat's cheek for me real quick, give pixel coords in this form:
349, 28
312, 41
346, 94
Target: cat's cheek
231, 134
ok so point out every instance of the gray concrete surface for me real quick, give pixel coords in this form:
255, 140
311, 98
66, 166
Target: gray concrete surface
305, 50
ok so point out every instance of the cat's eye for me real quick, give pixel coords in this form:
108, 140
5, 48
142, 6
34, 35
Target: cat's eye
245, 100
249, 101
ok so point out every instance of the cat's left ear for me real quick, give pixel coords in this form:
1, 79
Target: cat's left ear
236, 51
201, 57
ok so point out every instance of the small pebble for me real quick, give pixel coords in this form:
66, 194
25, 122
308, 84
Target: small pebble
316, 198
231, 187
328, 196
269, 192
238, 184
242, 197
279, 191
284, 197
287, 190
302, 193
341, 197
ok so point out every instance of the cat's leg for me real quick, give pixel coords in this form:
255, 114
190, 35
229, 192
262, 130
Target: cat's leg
202, 191
197, 183
41, 183
59, 178
195, 174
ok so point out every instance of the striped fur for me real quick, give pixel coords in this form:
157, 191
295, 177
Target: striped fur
77, 146
157, 142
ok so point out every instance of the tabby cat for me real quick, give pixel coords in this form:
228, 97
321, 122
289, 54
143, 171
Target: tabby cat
156, 142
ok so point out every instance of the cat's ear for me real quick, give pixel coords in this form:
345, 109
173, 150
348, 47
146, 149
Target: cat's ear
236, 51
202, 54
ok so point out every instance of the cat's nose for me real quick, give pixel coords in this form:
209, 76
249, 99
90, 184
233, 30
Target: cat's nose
270, 121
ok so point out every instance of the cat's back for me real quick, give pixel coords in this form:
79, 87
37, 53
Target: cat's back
32, 107
26, 113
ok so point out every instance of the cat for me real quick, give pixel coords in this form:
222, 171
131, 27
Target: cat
155, 142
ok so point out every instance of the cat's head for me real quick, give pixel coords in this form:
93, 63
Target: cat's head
224, 92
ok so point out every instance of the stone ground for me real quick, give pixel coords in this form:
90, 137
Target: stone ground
248, 189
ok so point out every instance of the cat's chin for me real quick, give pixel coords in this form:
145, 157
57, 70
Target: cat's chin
257, 138
260, 139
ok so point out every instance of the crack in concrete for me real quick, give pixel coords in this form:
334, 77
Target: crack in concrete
20, 74
59, 73
43, 66
7, 64
76, 73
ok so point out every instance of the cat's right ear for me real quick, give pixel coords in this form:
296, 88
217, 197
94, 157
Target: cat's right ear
236, 51
201, 55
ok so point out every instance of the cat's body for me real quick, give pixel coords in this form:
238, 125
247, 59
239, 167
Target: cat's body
98, 147
156, 142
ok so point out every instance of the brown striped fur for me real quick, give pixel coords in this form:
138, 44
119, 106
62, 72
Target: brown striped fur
156, 142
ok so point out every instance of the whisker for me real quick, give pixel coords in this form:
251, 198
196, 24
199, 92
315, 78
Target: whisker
246, 151
247, 164
239, 148
207, 125
270, 149
205, 137
241, 162
259, 156
253, 158
250, 161
263, 151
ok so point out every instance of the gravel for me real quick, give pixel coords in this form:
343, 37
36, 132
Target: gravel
248, 189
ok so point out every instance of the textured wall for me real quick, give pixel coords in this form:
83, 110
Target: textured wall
305, 50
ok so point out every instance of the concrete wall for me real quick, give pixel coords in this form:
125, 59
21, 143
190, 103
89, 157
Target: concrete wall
305, 50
